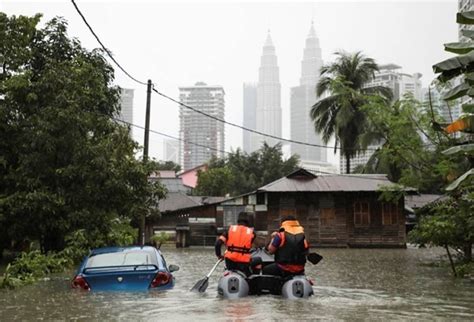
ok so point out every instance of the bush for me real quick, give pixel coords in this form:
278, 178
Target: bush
159, 239
29, 267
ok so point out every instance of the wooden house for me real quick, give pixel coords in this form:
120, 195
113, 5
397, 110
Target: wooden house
335, 210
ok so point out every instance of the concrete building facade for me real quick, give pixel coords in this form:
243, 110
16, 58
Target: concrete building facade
391, 76
302, 98
268, 112
171, 150
250, 116
202, 137
126, 105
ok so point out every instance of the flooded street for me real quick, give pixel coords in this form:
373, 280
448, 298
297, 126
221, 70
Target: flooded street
349, 284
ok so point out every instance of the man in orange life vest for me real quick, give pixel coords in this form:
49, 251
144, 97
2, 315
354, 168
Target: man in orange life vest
290, 248
238, 240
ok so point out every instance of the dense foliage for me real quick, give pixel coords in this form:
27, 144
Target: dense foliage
31, 266
241, 172
168, 165
65, 165
410, 152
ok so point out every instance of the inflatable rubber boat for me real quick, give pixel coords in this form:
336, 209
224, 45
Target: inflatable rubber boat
235, 284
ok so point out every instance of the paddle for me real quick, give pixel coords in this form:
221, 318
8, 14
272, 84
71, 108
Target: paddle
314, 258
201, 285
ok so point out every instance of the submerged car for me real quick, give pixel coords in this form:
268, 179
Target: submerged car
135, 268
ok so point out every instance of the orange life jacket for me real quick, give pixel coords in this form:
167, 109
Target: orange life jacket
293, 245
239, 242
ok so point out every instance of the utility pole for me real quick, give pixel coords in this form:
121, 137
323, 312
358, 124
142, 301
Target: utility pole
141, 236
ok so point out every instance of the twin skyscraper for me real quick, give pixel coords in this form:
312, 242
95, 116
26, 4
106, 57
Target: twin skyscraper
262, 105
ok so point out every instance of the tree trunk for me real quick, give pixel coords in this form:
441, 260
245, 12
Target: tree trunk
467, 250
451, 260
348, 164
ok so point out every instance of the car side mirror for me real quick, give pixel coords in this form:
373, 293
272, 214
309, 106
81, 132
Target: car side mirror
173, 268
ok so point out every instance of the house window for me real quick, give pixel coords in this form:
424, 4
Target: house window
328, 216
260, 198
361, 213
389, 213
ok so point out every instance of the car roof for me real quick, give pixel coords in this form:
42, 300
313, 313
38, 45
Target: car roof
125, 249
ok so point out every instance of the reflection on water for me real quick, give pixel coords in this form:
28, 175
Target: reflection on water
349, 284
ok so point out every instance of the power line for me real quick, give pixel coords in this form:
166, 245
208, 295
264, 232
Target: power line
103, 47
248, 129
170, 136
196, 110
364, 176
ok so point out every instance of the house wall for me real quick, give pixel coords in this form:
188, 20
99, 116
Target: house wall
340, 230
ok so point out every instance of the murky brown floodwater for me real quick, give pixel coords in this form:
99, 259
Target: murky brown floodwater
350, 284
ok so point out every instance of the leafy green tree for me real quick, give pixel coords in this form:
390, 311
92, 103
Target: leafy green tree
214, 182
245, 172
339, 114
168, 165
410, 152
66, 165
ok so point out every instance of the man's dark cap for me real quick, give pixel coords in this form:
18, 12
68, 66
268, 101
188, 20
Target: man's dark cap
243, 218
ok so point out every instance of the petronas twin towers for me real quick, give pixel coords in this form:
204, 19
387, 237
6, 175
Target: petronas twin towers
262, 104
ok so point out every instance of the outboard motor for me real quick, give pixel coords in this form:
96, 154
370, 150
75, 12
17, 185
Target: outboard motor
233, 285
296, 288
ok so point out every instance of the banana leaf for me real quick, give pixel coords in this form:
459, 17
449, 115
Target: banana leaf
468, 108
469, 78
459, 47
468, 33
465, 18
459, 180
459, 148
456, 92
454, 66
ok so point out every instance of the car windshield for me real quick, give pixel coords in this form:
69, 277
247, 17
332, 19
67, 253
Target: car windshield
121, 259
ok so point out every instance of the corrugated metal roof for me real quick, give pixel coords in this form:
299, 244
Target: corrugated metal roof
298, 181
418, 201
176, 200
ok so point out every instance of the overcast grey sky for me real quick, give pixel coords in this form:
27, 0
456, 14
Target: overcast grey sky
179, 43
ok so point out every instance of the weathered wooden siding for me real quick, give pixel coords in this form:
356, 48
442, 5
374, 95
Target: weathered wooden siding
339, 230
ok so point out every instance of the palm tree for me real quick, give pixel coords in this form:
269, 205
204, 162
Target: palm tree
345, 82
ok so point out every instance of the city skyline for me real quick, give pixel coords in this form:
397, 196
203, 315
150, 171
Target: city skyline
399, 32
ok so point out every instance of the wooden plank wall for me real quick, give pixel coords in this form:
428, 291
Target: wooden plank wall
343, 232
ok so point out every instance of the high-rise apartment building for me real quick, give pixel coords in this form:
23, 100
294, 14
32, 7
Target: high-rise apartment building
250, 117
302, 98
202, 137
449, 111
126, 105
171, 150
391, 76
268, 113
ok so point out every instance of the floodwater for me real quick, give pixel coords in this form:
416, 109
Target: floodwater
350, 284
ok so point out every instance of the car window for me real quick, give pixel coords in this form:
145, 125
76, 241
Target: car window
120, 259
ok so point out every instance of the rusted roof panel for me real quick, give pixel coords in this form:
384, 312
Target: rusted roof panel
329, 183
176, 200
